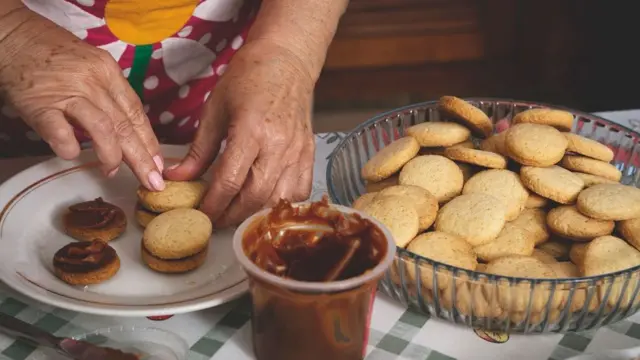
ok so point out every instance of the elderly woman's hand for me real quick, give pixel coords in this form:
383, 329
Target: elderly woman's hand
262, 105
54, 81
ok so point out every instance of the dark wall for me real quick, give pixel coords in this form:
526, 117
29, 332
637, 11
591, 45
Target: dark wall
576, 53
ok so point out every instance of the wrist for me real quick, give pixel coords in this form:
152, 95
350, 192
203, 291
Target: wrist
304, 29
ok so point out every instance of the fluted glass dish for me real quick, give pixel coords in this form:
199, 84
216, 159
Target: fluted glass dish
476, 299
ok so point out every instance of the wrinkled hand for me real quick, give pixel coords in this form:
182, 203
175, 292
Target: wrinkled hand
262, 105
54, 81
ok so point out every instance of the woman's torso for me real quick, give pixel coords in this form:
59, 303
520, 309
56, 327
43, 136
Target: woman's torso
172, 52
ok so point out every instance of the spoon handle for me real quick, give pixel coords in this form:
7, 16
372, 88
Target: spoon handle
20, 329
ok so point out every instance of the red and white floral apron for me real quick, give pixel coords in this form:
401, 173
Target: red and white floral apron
171, 51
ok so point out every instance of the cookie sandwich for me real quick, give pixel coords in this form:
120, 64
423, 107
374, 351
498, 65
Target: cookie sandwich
176, 241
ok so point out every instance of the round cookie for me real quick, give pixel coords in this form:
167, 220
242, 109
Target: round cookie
432, 133
468, 170
375, 186
554, 182
559, 119
390, 159
630, 231
476, 218
176, 195
437, 174
177, 234
610, 202
608, 254
544, 256
495, 143
590, 180
565, 269
94, 220
555, 248
576, 253
143, 216
468, 114
568, 222
516, 297
535, 145
591, 166
588, 147
364, 200
426, 205
512, 240
439, 150
476, 157
535, 201
86, 263
504, 185
444, 248
534, 221
397, 215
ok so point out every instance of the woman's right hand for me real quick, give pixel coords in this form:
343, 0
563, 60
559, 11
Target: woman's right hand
54, 81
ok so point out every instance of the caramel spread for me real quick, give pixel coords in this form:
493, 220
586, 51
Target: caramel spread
352, 247
82, 257
94, 214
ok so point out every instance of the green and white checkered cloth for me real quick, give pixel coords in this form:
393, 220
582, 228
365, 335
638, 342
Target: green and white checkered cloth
224, 333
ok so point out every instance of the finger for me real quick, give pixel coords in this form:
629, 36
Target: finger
98, 125
55, 130
304, 181
134, 152
262, 179
285, 187
205, 146
131, 106
229, 174
296, 182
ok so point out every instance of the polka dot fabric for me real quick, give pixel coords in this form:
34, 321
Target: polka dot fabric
178, 72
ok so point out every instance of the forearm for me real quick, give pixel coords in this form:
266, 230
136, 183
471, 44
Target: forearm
304, 27
16, 29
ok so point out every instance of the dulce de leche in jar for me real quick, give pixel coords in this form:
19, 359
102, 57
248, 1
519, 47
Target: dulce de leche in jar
313, 271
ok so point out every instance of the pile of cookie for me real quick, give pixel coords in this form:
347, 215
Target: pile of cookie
533, 201
175, 239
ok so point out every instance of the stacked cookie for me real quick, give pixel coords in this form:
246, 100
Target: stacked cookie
176, 241
176, 195
176, 235
533, 201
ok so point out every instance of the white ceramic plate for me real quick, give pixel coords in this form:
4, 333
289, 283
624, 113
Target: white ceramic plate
31, 232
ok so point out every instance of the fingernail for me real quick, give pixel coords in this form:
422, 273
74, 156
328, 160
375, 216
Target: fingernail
156, 181
159, 163
113, 172
173, 166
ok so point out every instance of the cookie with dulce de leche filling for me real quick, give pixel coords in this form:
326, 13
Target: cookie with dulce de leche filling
94, 220
86, 263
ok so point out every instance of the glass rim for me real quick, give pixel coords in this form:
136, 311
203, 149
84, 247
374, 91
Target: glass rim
403, 253
372, 275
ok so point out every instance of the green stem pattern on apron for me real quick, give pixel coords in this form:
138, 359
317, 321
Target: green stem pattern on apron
141, 59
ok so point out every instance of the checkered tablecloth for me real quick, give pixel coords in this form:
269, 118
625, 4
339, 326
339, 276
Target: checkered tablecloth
224, 333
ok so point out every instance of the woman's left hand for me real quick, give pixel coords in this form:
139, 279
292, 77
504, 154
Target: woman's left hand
262, 105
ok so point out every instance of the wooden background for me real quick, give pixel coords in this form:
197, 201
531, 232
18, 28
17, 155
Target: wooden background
577, 53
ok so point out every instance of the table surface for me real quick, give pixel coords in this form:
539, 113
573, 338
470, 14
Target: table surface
224, 332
